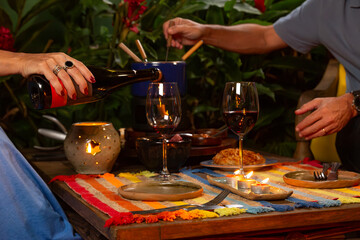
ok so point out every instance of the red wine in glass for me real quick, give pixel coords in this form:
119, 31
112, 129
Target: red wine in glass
240, 122
240, 108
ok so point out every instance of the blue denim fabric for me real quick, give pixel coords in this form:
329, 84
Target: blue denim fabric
28, 208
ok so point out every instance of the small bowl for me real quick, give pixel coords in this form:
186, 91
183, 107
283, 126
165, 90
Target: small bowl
149, 151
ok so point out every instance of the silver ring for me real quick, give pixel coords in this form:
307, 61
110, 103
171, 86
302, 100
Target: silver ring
57, 69
69, 65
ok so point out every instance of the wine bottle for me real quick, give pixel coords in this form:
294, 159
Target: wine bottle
44, 96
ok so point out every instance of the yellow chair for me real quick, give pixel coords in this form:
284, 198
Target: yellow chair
323, 149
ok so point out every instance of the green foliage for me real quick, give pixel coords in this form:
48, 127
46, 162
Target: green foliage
90, 30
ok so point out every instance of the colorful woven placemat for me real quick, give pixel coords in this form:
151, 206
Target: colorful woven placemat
101, 192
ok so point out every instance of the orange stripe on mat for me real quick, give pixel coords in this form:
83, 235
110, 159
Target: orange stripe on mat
112, 196
112, 179
285, 168
297, 166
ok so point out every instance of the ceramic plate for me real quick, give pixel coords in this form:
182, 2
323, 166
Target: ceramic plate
306, 179
210, 164
161, 191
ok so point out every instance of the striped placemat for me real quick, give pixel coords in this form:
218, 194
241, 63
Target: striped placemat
101, 191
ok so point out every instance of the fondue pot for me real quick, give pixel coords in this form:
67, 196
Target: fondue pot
173, 71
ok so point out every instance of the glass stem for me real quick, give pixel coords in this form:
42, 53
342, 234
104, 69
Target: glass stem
165, 170
241, 166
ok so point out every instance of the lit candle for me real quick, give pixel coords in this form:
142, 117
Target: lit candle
92, 147
261, 188
246, 182
234, 178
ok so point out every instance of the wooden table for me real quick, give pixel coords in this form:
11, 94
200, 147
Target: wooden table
89, 222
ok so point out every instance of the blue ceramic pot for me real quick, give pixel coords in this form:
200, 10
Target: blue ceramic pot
173, 71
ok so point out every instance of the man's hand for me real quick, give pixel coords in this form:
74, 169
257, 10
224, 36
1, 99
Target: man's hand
184, 32
329, 115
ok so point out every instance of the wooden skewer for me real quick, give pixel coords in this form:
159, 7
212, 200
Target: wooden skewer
168, 42
141, 50
128, 51
192, 50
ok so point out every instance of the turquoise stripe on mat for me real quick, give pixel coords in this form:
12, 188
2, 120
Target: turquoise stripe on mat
250, 209
299, 203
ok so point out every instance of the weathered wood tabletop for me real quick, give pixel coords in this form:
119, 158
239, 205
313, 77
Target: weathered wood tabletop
89, 221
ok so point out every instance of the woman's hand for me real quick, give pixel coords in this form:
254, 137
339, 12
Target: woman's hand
46, 65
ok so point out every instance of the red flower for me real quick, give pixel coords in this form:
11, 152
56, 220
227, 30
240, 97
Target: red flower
6, 39
259, 4
135, 9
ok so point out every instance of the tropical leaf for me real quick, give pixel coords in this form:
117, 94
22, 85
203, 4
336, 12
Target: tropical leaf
252, 20
204, 108
5, 19
246, 8
17, 5
214, 16
263, 90
29, 35
287, 5
294, 63
41, 6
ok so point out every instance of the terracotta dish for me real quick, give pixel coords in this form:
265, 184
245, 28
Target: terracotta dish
161, 191
306, 179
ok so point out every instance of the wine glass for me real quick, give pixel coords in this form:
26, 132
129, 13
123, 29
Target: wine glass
240, 110
163, 112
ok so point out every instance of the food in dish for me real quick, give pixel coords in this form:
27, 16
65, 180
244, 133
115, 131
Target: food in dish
230, 156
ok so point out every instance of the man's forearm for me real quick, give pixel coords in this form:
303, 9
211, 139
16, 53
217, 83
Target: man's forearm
243, 38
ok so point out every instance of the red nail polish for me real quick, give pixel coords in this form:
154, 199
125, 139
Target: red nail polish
73, 96
86, 91
92, 79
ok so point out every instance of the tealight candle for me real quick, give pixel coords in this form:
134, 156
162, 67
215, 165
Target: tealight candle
260, 188
245, 183
231, 181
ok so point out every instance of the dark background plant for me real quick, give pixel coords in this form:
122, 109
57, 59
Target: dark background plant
90, 30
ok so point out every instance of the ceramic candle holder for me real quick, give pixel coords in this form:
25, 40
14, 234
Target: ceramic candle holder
245, 183
260, 188
92, 147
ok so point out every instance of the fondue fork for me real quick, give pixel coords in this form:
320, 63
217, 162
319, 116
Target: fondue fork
212, 204
168, 42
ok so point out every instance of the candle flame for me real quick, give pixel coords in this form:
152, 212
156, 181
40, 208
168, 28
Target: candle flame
237, 172
265, 180
249, 174
92, 147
